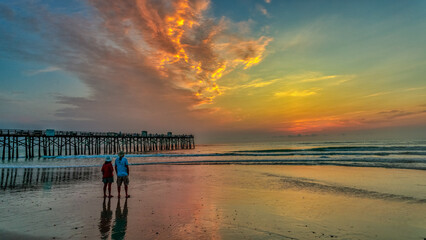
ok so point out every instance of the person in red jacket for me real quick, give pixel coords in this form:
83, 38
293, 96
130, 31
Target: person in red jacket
107, 175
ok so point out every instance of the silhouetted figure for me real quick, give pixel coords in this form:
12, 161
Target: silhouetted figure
122, 170
105, 221
107, 175
120, 222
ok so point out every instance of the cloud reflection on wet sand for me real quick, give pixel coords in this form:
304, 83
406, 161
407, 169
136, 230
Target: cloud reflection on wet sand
223, 202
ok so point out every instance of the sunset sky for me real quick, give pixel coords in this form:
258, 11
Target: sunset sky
245, 68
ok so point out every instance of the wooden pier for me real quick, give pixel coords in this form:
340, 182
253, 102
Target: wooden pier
40, 143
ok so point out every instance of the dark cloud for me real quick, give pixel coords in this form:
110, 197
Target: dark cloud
392, 114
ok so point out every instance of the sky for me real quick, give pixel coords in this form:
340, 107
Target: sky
219, 69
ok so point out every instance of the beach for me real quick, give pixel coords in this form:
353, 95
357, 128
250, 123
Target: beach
260, 120
221, 202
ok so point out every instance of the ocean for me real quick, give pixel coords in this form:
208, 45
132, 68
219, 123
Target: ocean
385, 154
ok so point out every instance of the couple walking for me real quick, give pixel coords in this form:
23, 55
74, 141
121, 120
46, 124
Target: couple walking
122, 171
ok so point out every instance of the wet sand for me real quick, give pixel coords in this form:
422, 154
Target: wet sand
221, 202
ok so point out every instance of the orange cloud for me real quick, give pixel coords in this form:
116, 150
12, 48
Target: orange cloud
146, 59
191, 50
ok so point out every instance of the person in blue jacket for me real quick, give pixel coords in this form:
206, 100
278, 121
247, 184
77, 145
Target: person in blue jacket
122, 171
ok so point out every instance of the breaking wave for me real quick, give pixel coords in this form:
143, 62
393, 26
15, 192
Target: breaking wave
394, 163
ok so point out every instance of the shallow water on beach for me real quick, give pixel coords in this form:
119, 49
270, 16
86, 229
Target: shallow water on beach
219, 202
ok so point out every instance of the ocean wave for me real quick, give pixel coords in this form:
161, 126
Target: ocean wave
419, 164
342, 149
259, 153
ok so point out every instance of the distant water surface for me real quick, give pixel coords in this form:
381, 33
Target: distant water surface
386, 154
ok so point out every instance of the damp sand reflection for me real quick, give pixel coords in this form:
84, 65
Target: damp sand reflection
117, 230
218, 202
106, 218
33, 178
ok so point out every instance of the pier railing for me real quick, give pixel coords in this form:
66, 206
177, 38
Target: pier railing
38, 143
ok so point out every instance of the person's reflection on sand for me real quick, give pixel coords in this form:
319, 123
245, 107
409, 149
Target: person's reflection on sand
120, 223
106, 217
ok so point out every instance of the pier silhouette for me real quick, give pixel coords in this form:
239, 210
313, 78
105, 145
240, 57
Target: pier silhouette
43, 143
